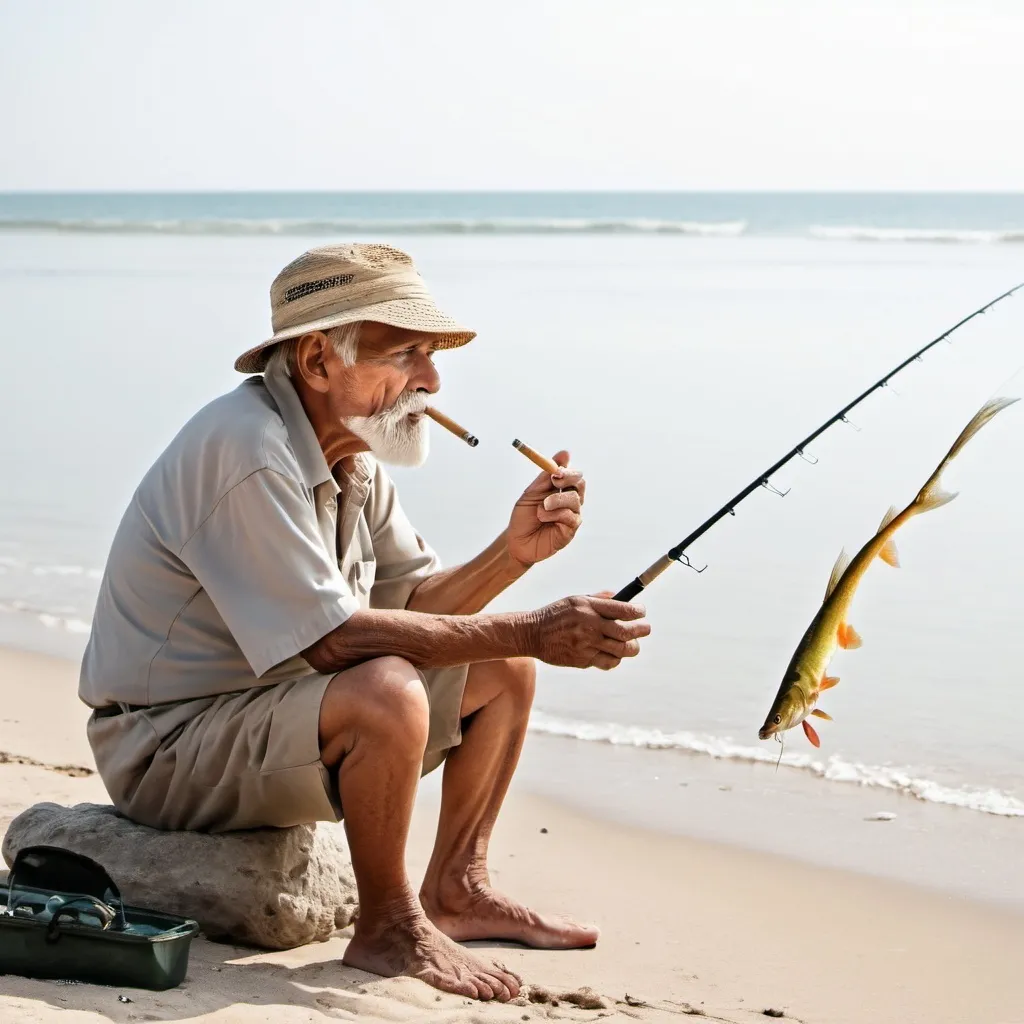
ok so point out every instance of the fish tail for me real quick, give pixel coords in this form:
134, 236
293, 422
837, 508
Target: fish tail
932, 495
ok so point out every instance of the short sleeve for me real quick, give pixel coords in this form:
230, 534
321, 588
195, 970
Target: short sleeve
261, 559
403, 557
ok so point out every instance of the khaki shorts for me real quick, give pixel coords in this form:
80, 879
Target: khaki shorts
241, 760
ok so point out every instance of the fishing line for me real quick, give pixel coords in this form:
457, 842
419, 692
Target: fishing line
677, 553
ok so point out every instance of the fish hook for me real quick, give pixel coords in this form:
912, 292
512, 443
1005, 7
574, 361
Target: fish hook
782, 749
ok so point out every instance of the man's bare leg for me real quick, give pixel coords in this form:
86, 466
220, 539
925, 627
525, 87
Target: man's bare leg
373, 725
456, 891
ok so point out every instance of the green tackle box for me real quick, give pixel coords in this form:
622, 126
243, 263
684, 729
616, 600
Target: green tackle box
61, 917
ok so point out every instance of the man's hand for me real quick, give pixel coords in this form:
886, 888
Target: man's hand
547, 515
585, 632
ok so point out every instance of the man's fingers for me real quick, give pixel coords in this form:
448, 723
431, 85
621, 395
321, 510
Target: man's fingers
563, 499
619, 648
611, 609
625, 631
569, 478
564, 516
604, 661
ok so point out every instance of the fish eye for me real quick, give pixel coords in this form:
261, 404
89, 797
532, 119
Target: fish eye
777, 719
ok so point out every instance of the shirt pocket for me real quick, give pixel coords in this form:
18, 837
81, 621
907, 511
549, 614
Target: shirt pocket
363, 576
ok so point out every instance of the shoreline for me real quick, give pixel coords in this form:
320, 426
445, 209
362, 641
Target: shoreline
747, 806
686, 921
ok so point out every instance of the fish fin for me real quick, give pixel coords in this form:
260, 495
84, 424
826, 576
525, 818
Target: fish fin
930, 496
887, 519
934, 499
849, 638
842, 564
889, 554
810, 733
818, 713
827, 682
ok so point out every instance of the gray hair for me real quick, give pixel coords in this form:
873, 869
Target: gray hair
345, 340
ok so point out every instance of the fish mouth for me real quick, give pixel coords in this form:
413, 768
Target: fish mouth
766, 732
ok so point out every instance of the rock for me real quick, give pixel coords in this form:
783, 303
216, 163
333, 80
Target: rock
272, 888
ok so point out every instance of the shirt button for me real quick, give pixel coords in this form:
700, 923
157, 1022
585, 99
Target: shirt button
331, 504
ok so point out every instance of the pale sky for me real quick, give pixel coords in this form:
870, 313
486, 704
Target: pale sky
457, 94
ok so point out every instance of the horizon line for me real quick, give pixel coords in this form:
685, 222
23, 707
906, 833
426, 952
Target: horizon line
507, 191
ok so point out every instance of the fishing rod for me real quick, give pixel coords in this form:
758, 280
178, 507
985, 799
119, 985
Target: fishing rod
678, 553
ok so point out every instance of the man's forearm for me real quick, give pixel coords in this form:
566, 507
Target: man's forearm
468, 588
424, 640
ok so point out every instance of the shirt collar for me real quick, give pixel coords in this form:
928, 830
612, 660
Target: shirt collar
308, 452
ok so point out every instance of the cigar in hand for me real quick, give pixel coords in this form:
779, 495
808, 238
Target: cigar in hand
535, 457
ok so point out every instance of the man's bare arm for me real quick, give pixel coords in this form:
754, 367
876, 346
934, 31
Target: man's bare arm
469, 588
427, 641
577, 631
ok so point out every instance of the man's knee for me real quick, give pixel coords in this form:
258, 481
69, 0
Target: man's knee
519, 679
382, 700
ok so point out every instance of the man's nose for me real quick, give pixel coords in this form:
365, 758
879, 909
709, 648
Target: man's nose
425, 376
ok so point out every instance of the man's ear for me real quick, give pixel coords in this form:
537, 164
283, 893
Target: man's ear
310, 362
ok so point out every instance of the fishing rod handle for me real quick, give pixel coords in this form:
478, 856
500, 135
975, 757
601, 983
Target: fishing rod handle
629, 591
648, 576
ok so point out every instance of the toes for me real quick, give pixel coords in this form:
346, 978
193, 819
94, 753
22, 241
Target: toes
508, 978
470, 986
460, 985
573, 932
487, 987
502, 992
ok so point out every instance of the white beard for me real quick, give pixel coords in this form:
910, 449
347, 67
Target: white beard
392, 437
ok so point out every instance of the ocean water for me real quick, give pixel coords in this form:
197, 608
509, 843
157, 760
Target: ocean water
676, 345
939, 217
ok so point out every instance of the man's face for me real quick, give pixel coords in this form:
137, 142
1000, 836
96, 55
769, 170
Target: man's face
382, 397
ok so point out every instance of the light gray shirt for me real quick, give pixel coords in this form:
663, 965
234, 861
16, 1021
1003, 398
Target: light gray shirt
233, 556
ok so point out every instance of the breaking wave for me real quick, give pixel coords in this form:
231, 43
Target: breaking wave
61, 618
864, 233
835, 769
35, 569
439, 226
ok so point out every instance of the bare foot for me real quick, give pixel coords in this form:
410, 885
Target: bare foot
413, 946
482, 913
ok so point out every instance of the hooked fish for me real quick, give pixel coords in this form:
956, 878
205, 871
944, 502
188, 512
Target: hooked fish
805, 679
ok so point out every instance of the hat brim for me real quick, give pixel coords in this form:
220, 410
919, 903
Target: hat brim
412, 314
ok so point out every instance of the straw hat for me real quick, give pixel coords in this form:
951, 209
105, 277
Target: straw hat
340, 284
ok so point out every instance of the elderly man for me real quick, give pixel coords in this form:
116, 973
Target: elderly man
274, 643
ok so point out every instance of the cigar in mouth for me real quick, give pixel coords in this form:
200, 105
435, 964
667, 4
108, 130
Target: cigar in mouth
449, 424
535, 457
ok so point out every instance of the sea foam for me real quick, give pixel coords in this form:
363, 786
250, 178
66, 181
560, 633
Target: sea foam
866, 233
410, 226
834, 769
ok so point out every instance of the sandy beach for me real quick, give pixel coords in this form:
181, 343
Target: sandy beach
690, 927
